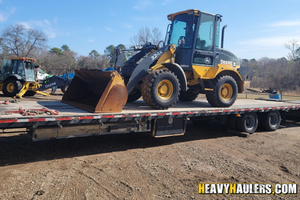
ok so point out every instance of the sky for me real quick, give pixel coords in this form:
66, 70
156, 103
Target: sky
255, 29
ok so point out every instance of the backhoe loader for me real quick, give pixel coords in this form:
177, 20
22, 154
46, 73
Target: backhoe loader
191, 61
17, 77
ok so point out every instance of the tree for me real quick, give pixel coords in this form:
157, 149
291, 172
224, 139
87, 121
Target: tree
110, 52
94, 54
145, 35
65, 48
20, 41
56, 50
294, 57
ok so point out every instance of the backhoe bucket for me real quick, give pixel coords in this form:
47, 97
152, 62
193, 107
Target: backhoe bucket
97, 91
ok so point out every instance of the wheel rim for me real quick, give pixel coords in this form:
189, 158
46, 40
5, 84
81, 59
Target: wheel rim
226, 91
165, 89
273, 119
249, 122
10, 87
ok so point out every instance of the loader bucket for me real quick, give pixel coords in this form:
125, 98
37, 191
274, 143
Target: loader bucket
97, 91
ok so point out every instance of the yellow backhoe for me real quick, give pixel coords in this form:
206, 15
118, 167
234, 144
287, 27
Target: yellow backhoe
192, 60
17, 77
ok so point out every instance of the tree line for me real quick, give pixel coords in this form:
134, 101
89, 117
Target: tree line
17, 40
281, 74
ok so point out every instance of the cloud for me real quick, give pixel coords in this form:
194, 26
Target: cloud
47, 22
50, 33
55, 20
268, 41
287, 23
6, 14
142, 5
126, 25
108, 29
91, 40
166, 2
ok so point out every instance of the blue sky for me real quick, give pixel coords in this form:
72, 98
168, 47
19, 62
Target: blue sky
256, 28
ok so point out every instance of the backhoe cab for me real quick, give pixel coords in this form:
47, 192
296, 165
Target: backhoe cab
190, 62
17, 77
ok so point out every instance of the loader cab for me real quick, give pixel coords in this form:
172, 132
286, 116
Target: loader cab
196, 35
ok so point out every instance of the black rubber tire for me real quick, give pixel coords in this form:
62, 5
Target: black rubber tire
187, 96
150, 89
248, 123
270, 121
17, 87
64, 88
134, 95
30, 93
214, 97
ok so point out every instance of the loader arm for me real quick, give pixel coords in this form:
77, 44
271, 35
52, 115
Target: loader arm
141, 69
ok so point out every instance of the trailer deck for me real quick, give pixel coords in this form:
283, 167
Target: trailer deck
132, 111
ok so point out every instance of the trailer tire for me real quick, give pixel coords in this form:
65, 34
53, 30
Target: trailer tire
134, 95
12, 87
248, 123
271, 120
160, 89
224, 92
187, 96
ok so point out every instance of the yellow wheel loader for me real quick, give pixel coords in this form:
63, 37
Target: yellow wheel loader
17, 77
191, 61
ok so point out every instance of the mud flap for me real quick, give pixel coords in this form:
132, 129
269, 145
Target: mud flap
166, 127
97, 91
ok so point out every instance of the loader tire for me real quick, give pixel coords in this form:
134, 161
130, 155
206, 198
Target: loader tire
12, 87
160, 89
134, 95
187, 96
224, 92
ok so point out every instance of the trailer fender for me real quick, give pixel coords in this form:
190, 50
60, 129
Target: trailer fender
141, 69
178, 71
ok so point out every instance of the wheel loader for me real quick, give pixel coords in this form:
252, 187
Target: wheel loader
17, 77
190, 61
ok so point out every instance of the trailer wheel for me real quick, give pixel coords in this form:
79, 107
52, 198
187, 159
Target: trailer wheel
134, 95
271, 120
160, 89
224, 92
12, 87
248, 123
187, 96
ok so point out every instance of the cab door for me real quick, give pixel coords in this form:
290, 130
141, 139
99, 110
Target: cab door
206, 51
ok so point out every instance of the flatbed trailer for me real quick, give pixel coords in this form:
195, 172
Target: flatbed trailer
54, 119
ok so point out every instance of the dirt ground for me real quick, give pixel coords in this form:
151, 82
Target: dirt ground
137, 166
